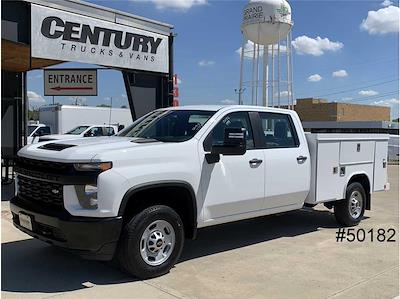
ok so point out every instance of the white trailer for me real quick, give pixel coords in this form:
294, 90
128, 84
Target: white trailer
62, 118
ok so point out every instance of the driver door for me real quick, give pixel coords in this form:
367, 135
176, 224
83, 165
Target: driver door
235, 184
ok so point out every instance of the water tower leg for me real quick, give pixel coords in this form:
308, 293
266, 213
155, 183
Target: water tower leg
241, 72
265, 76
273, 75
253, 81
279, 69
291, 69
288, 72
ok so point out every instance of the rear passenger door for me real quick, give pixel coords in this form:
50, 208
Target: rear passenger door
287, 161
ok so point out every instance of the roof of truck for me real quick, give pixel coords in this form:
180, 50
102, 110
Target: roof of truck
219, 107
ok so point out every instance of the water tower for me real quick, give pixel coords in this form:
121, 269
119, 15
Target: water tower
267, 38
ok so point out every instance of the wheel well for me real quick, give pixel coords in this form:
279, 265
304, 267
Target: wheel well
364, 181
180, 198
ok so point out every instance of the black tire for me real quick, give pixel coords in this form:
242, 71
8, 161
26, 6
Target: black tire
129, 255
342, 209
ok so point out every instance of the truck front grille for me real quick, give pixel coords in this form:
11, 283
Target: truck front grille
40, 192
44, 166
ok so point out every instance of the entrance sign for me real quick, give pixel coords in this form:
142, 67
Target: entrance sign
65, 36
70, 82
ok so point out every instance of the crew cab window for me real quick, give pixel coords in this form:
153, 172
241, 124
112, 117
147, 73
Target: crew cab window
278, 130
108, 131
94, 132
232, 120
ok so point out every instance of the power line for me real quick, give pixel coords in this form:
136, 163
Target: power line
395, 76
353, 89
374, 97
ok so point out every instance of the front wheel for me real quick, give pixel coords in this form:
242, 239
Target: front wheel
152, 242
350, 211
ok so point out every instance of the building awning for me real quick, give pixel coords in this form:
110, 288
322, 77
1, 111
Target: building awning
15, 57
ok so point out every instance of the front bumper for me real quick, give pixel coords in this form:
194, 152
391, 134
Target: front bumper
91, 238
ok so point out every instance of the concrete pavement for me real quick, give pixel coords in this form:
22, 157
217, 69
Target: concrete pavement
291, 255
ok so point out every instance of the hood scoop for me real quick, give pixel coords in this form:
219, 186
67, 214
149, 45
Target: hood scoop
56, 146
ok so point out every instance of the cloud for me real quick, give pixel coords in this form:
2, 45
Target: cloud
228, 102
346, 99
283, 93
382, 21
179, 81
388, 102
249, 46
340, 74
315, 46
386, 3
314, 78
204, 63
181, 5
35, 98
124, 96
368, 93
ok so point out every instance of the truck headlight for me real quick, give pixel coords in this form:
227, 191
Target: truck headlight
93, 166
87, 195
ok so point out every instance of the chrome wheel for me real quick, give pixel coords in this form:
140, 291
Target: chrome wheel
355, 204
157, 242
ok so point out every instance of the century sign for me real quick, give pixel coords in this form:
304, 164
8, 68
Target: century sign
65, 36
70, 82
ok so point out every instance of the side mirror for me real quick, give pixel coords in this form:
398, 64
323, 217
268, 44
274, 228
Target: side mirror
234, 143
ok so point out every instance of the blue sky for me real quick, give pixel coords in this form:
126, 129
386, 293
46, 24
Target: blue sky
357, 39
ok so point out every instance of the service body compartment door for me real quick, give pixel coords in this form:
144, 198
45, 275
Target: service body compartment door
328, 184
358, 152
380, 167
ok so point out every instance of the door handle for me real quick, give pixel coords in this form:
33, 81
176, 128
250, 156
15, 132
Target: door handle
301, 159
255, 162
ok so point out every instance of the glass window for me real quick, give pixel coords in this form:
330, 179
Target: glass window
94, 132
232, 120
278, 130
78, 130
43, 131
169, 125
109, 131
31, 129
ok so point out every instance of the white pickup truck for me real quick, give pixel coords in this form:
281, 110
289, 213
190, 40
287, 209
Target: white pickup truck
83, 131
137, 196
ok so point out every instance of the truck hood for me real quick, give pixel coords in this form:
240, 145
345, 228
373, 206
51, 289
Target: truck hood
82, 149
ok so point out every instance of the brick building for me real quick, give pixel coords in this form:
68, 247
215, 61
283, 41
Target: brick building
310, 109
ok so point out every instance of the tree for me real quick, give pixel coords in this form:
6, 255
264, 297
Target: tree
124, 106
103, 105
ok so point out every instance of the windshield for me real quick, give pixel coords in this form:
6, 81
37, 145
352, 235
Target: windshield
31, 129
168, 126
78, 130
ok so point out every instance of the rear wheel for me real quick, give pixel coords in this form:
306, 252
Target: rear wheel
151, 242
350, 211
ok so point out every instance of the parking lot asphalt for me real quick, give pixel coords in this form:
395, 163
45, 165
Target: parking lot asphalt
290, 255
